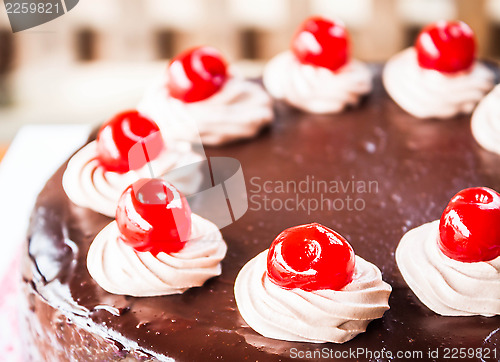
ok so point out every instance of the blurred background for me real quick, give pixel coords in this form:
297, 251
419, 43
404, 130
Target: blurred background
98, 58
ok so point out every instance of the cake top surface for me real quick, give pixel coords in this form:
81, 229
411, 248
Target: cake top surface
371, 173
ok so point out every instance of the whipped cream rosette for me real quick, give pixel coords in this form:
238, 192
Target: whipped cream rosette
128, 147
199, 100
318, 75
156, 246
438, 77
453, 264
485, 122
310, 287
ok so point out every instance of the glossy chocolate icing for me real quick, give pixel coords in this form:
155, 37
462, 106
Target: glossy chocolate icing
418, 166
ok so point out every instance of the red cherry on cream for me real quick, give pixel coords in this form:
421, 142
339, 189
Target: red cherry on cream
152, 215
469, 229
310, 257
196, 74
446, 46
117, 136
321, 42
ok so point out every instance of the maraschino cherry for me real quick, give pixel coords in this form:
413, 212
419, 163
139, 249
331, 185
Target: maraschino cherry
469, 229
321, 42
152, 215
117, 136
196, 74
446, 46
310, 257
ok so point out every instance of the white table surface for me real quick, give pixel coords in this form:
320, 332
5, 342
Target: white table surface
34, 155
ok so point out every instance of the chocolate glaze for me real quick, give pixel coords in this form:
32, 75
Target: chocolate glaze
418, 165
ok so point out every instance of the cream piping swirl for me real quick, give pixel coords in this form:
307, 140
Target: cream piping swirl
316, 89
239, 110
119, 269
316, 317
446, 286
426, 93
88, 184
486, 121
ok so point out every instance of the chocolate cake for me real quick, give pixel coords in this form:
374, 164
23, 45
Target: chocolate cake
371, 173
